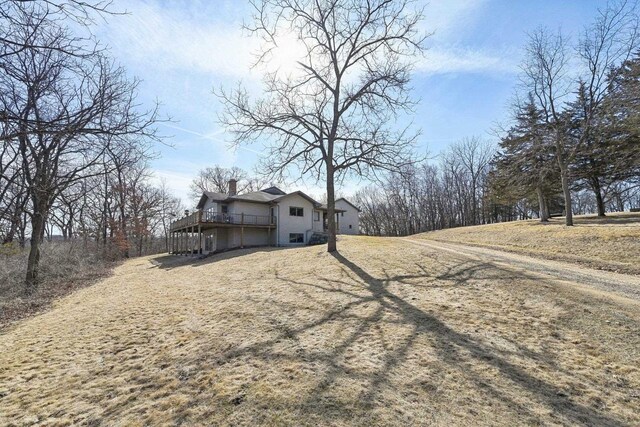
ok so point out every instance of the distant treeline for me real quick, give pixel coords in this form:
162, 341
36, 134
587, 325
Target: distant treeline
572, 145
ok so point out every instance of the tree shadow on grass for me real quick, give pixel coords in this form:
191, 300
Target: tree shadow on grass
451, 344
171, 261
463, 353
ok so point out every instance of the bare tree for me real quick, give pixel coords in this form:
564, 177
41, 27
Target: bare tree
604, 45
546, 78
13, 14
473, 156
170, 208
65, 111
336, 114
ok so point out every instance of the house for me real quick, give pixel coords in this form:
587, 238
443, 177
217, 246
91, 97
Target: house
269, 217
349, 219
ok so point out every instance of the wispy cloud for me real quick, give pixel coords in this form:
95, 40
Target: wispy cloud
166, 36
461, 60
211, 137
453, 23
451, 19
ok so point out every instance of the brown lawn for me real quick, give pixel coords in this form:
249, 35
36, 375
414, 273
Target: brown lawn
611, 243
386, 333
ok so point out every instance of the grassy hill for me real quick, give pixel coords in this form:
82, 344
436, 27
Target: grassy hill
611, 243
385, 333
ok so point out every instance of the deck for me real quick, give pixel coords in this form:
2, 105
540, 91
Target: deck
210, 218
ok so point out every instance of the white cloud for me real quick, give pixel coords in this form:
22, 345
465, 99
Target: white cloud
163, 38
450, 19
457, 60
453, 24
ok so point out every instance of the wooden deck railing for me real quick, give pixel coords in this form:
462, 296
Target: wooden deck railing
213, 217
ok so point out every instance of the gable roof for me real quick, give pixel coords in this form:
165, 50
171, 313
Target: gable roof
274, 190
299, 193
210, 195
324, 207
349, 203
255, 196
268, 195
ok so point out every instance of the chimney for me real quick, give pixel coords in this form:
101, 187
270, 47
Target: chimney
233, 187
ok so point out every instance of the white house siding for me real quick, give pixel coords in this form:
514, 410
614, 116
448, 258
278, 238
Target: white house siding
294, 224
223, 239
317, 225
348, 221
211, 205
252, 237
249, 208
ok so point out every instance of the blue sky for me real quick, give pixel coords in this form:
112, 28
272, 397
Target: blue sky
183, 49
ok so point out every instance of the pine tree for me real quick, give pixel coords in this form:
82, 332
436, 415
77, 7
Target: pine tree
525, 161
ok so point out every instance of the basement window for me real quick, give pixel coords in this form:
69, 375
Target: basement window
293, 211
296, 238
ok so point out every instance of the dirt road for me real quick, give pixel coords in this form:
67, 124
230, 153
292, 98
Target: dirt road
622, 285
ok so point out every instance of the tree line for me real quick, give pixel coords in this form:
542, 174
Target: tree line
571, 145
575, 122
75, 141
431, 196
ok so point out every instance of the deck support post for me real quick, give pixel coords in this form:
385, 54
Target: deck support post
199, 239
192, 242
242, 230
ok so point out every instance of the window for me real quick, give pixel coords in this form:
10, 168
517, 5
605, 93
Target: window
225, 209
296, 238
293, 211
349, 225
316, 216
341, 213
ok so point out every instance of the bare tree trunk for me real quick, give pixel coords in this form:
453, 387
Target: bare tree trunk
597, 190
544, 213
331, 204
564, 175
37, 232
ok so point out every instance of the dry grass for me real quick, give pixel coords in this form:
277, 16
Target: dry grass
611, 243
387, 333
64, 267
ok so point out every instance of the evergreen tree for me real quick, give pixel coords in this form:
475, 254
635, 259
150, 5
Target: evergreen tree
525, 163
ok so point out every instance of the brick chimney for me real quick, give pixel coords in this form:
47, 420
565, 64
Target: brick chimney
233, 187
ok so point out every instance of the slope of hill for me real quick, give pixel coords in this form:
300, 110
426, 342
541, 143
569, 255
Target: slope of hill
611, 243
385, 333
